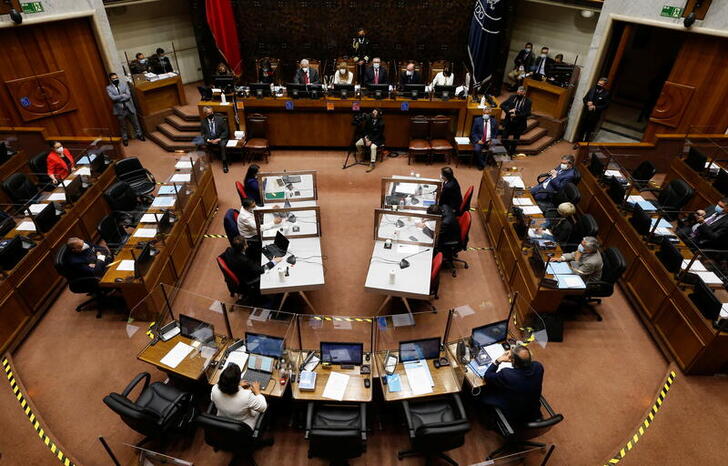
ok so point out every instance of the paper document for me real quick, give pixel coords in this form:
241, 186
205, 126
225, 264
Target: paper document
149, 218
570, 281
168, 189
418, 377
176, 355
127, 265
35, 208
660, 231
559, 268
238, 357
522, 201
663, 223
696, 267
145, 233
464, 140
514, 182
407, 248
394, 384
232, 143
83, 171
531, 209
57, 197
86, 159
239, 134
495, 351
336, 386
163, 201
709, 278
180, 178
25, 226
614, 173
402, 320
532, 233
183, 164
405, 188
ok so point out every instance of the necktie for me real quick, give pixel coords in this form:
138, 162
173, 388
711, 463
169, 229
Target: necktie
486, 131
212, 127
376, 76
305, 78
711, 219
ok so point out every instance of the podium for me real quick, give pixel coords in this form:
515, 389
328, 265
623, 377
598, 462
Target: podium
548, 99
155, 100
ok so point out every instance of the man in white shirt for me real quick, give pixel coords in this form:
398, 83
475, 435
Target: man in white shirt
242, 405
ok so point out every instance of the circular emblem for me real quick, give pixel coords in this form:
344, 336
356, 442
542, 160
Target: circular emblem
25, 102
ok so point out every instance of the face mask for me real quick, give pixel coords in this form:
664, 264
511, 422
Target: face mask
376, 66
581, 248
85, 246
564, 166
409, 73
528, 49
342, 71
59, 150
521, 68
486, 117
544, 55
142, 60
115, 82
305, 70
211, 116
718, 209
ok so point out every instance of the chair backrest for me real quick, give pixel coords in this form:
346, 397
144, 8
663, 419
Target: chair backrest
419, 67
696, 159
442, 436
121, 197
644, 172
231, 280
336, 444
129, 167
38, 164
440, 127
464, 220
230, 223
419, 127
109, 230
587, 226
570, 193
465, 204
614, 265
225, 434
257, 126
59, 261
144, 421
19, 188
241, 191
436, 266
314, 64
675, 195
577, 176
436, 67
537, 428
274, 65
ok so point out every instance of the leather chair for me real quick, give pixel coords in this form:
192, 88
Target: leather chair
139, 178
125, 204
419, 144
402, 67
585, 225
39, 168
110, 231
435, 426
577, 176
673, 197
452, 249
274, 65
570, 193
517, 437
158, 410
442, 141
614, 267
241, 191
696, 159
230, 224
465, 204
20, 189
642, 175
99, 297
257, 137
437, 66
337, 432
223, 433
435, 275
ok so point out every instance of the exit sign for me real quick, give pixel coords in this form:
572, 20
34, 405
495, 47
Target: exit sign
32, 7
671, 11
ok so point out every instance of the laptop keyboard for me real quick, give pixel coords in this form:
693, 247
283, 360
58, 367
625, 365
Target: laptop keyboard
251, 375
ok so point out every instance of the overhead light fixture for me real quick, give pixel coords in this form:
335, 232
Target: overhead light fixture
587, 14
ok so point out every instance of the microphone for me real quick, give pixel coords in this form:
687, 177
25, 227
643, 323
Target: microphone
404, 263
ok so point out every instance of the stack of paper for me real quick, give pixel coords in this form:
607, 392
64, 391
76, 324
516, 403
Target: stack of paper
419, 377
709, 278
168, 189
57, 197
180, 178
176, 355
183, 164
145, 233
26, 226
514, 182
163, 201
149, 218
522, 201
463, 140
36, 208
570, 281
696, 267
336, 386
531, 210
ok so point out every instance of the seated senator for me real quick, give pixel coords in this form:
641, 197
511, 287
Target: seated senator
708, 228
557, 178
246, 220
87, 260
59, 162
245, 267
251, 185
586, 261
449, 226
561, 227
236, 399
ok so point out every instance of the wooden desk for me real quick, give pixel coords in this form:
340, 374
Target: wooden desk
355, 390
155, 100
548, 99
445, 380
192, 366
473, 379
274, 387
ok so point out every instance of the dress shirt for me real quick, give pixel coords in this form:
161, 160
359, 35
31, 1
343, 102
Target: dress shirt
442, 80
242, 406
247, 226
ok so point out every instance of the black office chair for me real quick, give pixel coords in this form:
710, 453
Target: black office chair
158, 410
696, 159
518, 437
39, 168
124, 203
435, 426
139, 178
20, 189
112, 233
570, 193
614, 267
336, 431
673, 197
642, 175
585, 225
223, 433
577, 176
100, 298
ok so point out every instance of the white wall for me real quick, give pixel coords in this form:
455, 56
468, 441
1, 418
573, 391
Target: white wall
643, 12
144, 27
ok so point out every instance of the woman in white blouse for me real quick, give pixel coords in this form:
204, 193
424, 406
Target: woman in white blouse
343, 75
443, 78
238, 400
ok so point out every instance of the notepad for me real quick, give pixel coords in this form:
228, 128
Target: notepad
336, 386
514, 182
522, 201
531, 209
307, 380
696, 267
163, 201
394, 383
238, 357
168, 189
180, 178
494, 351
419, 377
127, 265
145, 233
183, 164
559, 268
25, 226
176, 355
36, 208
570, 281
149, 218
462, 140
709, 278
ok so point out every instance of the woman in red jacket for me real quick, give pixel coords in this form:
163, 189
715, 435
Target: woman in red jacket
59, 162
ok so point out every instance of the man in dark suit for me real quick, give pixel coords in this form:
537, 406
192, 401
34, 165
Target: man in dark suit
139, 65
482, 135
521, 64
87, 260
710, 227
159, 63
306, 75
214, 130
409, 76
595, 102
373, 136
375, 74
450, 195
517, 108
542, 66
449, 226
516, 390
557, 179
245, 269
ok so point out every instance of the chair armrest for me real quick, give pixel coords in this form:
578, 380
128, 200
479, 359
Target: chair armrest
259, 424
182, 399
542, 177
309, 419
408, 417
211, 409
363, 418
651, 190
150, 176
90, 282
547, 406
459, 404
133, 383
501, 419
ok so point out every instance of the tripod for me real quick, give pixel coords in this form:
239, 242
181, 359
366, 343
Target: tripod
355, 136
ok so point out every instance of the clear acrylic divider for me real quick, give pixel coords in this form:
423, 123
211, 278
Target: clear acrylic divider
9, 141
292, 222
410, 192
406, 227
292, 186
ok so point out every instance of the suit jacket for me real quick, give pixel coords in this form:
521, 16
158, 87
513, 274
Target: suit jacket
56, 166
247, 271
715, 234
557, 184
79, 263
160, 65
369, 75
561, 230
451, 195
515, 391
599, 96
524, 58
589, 266
220, 129
374, 131
252, 190
524, 110
547, 66
313, 77
449, 228
360, 48
416, 78
121, 97
476, 132
137, 67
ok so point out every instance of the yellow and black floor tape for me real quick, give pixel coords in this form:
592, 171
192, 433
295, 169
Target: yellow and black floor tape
341, 319
632, 442
480, 249
214, 236
31, 417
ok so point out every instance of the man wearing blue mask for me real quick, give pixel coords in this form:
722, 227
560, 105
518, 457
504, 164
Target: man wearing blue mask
586, 261
554, 181
711, 226
139, 65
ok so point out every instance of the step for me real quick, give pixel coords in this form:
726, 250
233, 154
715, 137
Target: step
176, 135
168, 144
533, 135
531, 123
536, 147
187, 112
182, 124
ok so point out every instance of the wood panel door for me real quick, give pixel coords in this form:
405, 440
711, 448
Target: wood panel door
53, 74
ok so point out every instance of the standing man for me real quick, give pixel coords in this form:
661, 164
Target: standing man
482, 134
306, 75
517, 108
119, 93
523, 61
595, 102
410, 76
360, 50
542, 66
373, 136
214, 131
159, 63
375, 74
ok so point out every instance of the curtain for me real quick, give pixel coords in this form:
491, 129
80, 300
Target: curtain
221, 20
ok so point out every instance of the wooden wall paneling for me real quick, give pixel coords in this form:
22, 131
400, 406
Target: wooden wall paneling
677, 333
13, 313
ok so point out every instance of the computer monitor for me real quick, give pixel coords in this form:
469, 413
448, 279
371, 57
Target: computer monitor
164, 222
224, 82
264, 345
705, 300
414, 91
378, 91
538, 261
46, 218
196, 329
342, 353
343, 90
11, 251
427, 348
444, 92
98, 164
74, 190
670, 256
182, 196
721, 182
296, 91
521, 223
260, 90
616, 190
596, 167
641, 221
696, 159
490, 333
143, 260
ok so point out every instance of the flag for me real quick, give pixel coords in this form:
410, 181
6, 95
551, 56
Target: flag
486, 29
221, 20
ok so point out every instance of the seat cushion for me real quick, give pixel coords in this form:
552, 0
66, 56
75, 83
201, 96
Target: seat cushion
336, 418
158, 397
441, 144
256, 143
430, 413
419, 144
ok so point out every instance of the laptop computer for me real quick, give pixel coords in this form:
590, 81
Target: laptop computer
278, 248
260, 369
288, 179
486, 335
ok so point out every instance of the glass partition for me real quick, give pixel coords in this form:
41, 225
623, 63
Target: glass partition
410, 192
287, 186
298, 222
9, 142
406, 227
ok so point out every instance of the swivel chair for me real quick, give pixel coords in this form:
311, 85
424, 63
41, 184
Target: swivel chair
518, 436
336, 431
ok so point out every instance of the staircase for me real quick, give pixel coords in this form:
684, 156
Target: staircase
178, 129
534, 140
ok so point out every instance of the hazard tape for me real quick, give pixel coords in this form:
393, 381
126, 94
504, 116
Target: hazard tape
341, 319
480, 249
214, 236
149, 332
31, 417
632, 442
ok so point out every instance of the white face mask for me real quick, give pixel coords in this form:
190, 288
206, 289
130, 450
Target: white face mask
564, 166
409, 73
85, 246
528, 49
581, 248
342, 71
305, 69
486, 117
59, 149
544, 55
376, 66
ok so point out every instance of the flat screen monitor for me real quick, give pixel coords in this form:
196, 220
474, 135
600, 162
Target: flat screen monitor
428, 348
342, 353
489, 334
196, 329
164, 223
300, 91
264, 345
143, 260
444, 92
260, 90
705, 300
616, 190
538, 262
596, 167
343, 90
378, 91
74, 190
414, 91
696, 159
224, 82
46, 218
721, 182
11, 251
670, 256
7, 223
641, 221
521, 222
97, 163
